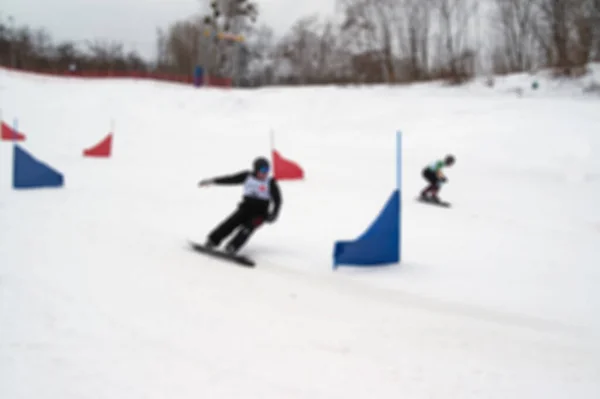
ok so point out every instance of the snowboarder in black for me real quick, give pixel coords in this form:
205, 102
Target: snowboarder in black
434, 176
260, 203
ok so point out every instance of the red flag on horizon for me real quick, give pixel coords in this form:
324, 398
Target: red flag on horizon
101, 149
9, 134
284, 169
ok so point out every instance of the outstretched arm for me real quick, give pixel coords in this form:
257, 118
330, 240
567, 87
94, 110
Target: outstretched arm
237, 178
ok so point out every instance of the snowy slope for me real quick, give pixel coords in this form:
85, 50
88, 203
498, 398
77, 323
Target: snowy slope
496, 297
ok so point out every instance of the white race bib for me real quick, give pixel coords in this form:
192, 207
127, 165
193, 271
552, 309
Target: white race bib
256, 188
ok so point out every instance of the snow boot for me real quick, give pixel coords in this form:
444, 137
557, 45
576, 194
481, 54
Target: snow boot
210, 244
230, 249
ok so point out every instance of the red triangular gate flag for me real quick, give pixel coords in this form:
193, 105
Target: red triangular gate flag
8, 133
284, 169
101, 149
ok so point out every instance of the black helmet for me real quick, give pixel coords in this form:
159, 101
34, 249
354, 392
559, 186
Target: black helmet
449, 160
260, 163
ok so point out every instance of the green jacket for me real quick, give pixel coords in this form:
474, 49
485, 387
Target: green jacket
436, 165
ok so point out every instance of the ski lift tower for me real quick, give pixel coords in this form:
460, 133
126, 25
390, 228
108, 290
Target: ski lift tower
214, 46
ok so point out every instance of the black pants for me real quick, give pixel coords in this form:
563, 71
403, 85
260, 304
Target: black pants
242, 219
433, 180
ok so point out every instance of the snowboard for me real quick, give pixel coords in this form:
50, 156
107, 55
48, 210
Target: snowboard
238, 259
443, 204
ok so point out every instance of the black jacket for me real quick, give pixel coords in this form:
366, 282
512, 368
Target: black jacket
255, 205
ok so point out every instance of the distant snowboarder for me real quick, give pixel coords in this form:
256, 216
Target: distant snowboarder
435, 177
260, 192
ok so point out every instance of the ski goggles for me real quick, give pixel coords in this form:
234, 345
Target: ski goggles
264, 170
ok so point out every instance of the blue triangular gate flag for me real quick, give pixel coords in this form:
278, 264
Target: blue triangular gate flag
28, 172
379, 244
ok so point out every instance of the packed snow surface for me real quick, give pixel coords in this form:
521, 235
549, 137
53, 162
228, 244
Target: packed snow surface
497, 297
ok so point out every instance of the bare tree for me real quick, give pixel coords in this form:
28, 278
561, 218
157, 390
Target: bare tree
23, 48
134, 62
376, 41
66, 54
565, 32
515, 23
358, 27
300, 48
596, 24
333, 59
107, 55
414, 32
455, 52
30, 48
260, 44
368, 31
311, 53
182, 44
583, 32
162, 50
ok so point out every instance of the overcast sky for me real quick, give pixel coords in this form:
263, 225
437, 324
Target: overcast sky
134, 22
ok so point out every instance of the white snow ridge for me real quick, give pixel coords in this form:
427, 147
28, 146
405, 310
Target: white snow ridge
497, 297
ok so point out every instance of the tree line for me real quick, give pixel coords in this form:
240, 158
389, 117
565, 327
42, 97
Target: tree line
367, 41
